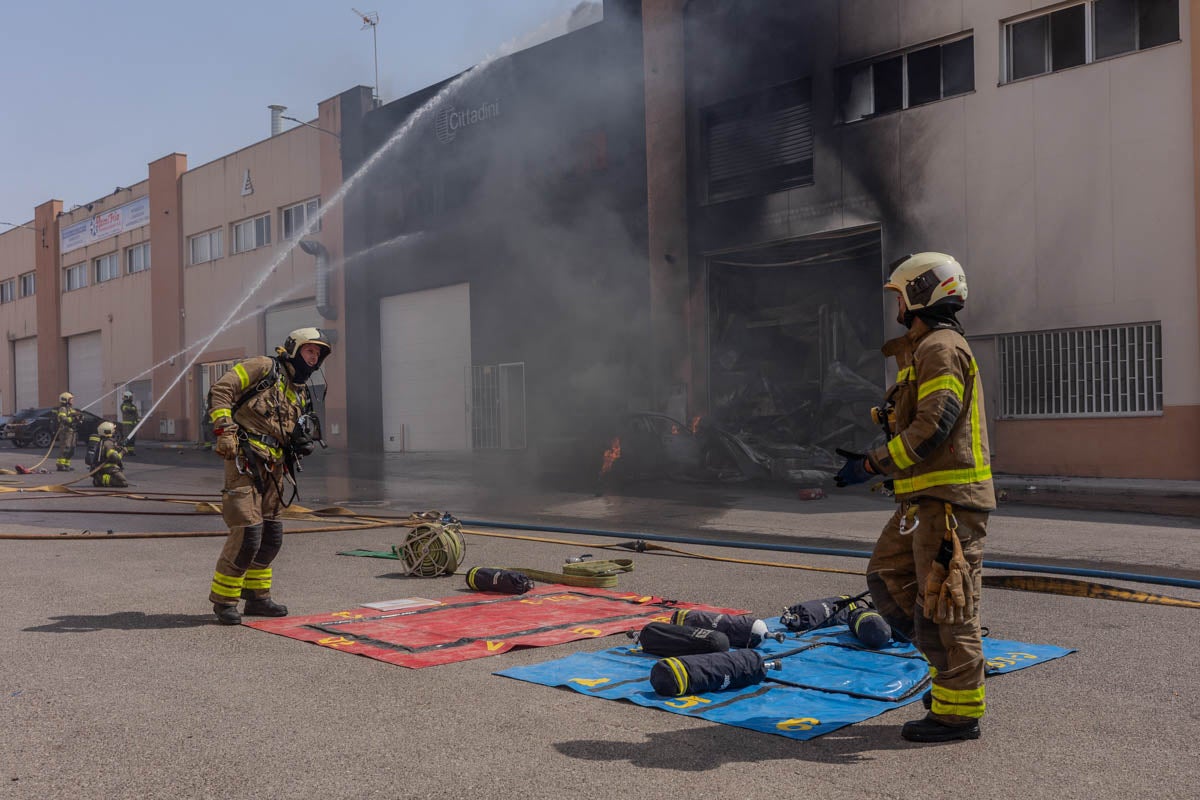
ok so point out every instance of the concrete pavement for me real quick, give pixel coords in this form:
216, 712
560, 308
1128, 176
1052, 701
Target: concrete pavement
114, 682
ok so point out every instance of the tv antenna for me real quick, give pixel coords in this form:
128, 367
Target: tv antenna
371, 20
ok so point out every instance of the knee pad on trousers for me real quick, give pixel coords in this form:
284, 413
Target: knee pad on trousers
272, 540
251, 541
888, 609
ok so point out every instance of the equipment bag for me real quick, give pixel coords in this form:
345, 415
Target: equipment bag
742, 629
505, 581
664, 639
709, 672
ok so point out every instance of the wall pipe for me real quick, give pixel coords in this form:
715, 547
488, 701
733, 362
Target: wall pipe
830, 551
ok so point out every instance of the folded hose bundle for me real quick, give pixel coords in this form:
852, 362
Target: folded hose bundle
742, 629
708, 672
665, 639
505, 581
856, 613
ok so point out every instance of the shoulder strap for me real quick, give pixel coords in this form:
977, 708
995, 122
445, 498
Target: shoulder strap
266, 382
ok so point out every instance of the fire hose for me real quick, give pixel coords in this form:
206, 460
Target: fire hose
642, 543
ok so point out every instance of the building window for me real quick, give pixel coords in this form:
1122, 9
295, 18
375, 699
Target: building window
252, 234
75, 277
137, 258
923, 74
205, 247
1086, 32
294, 218
107, 267
8, 290
758, 143
28, 284
1082, 372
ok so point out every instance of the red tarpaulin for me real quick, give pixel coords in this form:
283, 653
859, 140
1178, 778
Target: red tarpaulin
479, 624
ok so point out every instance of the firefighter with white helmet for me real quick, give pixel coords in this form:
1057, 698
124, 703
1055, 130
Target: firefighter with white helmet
259, 412
925, 571
66, 423
129, 420
106, 457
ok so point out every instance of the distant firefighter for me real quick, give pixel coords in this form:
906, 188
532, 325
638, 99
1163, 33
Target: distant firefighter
106, 457
129, 420
66, 423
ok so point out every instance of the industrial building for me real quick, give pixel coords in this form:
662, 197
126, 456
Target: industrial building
687, 206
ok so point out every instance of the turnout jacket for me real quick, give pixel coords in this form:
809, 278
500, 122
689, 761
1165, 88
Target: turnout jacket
106, 454
67, 418
129, 412
272, 407
938, 446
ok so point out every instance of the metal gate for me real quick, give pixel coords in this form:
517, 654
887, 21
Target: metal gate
498, 406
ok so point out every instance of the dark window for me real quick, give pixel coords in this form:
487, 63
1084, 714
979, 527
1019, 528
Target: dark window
1027, 47
889, 85
958, 67
1058, 39
1067, 38
1158, 22
1116, 27
924, 76
759, 143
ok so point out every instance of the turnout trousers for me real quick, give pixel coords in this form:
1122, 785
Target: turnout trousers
896, 577
255, 534
66, 447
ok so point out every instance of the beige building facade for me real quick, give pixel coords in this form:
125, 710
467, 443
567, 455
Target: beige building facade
159, 286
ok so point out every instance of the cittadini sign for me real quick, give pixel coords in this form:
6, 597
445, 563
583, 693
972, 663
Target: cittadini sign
109, 223
450, 119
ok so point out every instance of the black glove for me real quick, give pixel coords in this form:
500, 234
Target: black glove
302, 444
855, 470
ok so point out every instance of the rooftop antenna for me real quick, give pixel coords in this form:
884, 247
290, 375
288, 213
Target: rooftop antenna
371, 20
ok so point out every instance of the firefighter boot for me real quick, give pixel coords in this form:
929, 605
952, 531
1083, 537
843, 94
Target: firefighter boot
931, 729
265, 607
227, 615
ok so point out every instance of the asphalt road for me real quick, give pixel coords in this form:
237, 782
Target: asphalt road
116, 683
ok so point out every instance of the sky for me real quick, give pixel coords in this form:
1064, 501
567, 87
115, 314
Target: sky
94, 91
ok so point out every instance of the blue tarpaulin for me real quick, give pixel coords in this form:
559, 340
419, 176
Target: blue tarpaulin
827, 681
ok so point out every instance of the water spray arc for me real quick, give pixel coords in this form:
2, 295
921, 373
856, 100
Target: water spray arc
310, 224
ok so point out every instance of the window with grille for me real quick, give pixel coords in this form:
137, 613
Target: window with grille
759, 143
1082, 372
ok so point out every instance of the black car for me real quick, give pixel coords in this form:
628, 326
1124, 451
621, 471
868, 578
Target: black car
35, 426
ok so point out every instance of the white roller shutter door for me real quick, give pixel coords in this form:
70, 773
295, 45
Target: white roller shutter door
425, 351
85, 367
25, 370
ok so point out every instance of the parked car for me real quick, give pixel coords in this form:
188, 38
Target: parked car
35, 426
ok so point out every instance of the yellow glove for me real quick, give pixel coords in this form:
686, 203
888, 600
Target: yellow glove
227, 443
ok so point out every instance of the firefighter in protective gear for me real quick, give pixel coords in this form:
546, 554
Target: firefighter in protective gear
255, 410
106, 457
129, 420
66, 423
925, 571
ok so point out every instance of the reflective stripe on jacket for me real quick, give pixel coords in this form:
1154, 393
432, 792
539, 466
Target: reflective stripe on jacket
939, 447
272, 410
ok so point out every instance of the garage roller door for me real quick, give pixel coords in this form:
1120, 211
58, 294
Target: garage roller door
425, 351
85, 367
25, 369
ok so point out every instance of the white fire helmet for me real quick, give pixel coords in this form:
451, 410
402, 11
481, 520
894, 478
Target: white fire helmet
66, 397
929, 279
106, 428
